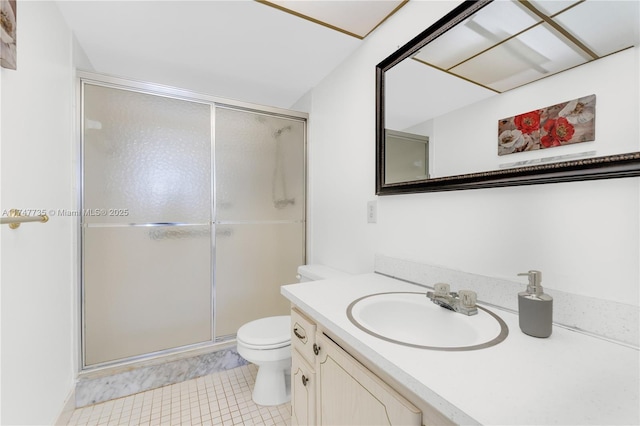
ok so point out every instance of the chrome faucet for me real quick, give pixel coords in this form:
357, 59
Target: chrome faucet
463, 302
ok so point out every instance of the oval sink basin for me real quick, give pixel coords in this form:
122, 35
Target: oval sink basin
412, 319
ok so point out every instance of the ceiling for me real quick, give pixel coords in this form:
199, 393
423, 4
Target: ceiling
538, 40
253, 51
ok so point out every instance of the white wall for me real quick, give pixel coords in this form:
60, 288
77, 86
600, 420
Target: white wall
37, 171
342, 142
584, 236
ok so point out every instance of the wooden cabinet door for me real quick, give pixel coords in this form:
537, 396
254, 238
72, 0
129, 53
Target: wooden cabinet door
349, 394
303, 391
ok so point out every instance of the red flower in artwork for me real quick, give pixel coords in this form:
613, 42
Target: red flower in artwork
558, 131
528, 122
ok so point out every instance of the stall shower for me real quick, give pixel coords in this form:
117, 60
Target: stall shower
193, 216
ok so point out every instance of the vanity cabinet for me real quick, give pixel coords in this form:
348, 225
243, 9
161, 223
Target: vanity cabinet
335, 389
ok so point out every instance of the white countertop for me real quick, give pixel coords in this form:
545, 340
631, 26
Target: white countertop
567, 379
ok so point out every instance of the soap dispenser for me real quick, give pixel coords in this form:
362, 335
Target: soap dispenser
535, 308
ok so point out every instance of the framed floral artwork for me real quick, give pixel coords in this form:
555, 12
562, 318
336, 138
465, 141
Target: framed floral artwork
8, 21
557, 125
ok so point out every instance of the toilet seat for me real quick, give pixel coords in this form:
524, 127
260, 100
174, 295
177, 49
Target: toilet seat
266, 333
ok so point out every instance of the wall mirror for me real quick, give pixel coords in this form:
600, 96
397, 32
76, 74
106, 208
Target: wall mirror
517, 92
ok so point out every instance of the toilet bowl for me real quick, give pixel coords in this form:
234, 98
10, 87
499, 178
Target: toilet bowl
266, 342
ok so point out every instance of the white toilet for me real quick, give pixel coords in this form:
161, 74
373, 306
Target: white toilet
266, 342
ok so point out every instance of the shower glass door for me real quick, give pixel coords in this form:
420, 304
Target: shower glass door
146, 223
260, 212
187, 232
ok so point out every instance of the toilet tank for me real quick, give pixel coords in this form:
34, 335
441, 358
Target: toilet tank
318, 272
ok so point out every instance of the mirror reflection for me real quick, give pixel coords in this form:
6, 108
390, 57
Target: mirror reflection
406, 156
505, 60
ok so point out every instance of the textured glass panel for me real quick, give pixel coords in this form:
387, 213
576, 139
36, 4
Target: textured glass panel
146, 289
147, 154
259, 166
252, 262
406, 157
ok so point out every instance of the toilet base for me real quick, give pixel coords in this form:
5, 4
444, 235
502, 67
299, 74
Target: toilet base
272, 387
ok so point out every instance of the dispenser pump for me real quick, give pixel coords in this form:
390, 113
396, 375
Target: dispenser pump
535, 308
535, 282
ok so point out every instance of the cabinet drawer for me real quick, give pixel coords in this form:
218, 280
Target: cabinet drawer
303, 335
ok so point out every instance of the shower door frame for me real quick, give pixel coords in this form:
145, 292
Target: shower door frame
85, 77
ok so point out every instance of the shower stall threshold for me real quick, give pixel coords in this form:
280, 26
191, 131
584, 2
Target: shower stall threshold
107, 383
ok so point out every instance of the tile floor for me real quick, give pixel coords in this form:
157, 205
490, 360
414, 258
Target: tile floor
222, 398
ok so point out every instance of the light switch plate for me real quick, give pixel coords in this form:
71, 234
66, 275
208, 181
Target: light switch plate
372, 211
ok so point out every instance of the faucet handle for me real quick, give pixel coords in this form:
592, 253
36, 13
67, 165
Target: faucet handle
441, 289
468, 298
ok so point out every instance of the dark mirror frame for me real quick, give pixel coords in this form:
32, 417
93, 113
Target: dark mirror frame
613, 166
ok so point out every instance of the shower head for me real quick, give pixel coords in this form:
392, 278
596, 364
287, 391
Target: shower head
280, 131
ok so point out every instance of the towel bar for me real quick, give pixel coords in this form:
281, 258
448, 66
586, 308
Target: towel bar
15, 219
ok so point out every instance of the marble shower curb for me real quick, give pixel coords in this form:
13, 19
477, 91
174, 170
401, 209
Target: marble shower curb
96, 387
